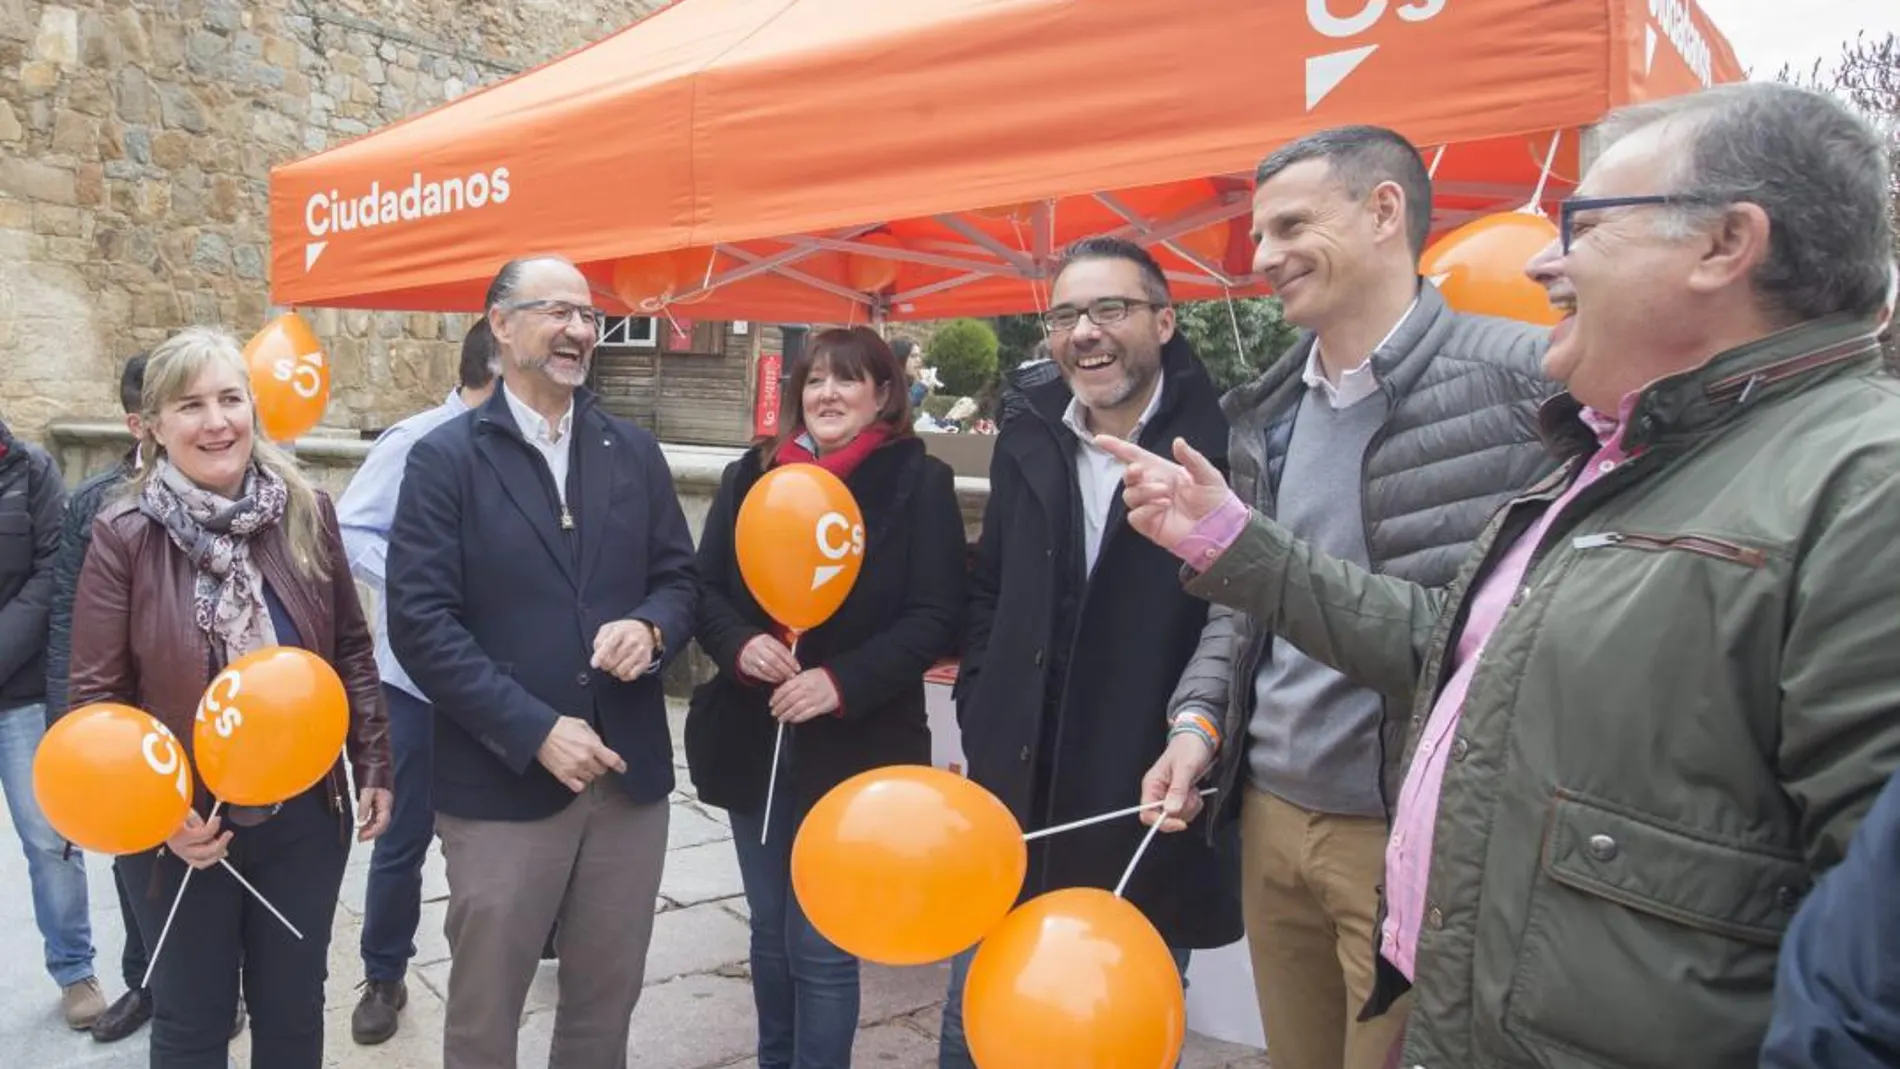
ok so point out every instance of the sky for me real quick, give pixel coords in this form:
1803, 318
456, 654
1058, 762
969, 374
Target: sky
1768, 33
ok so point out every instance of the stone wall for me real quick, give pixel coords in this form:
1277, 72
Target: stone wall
136, 141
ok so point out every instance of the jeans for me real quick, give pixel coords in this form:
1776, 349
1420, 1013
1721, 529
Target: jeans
222, 937
806, 989
953, 1046
392, 906
58, 875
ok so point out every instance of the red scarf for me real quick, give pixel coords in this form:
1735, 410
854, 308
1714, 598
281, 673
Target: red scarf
840, 462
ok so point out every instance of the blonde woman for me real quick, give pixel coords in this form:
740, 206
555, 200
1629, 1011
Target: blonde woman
218, 548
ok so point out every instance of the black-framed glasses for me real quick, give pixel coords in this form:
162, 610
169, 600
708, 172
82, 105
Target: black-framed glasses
562, 312
1102, 311
1570, 206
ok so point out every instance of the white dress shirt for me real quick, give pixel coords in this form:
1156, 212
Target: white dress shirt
1357, 384
553, 441
1098, 475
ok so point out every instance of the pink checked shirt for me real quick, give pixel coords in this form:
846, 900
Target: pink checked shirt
1409, 851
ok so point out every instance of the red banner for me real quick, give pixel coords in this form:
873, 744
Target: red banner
765, 410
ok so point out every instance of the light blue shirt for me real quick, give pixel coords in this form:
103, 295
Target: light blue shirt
366, 512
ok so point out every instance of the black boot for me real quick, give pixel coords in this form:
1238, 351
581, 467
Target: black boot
376, 1015
123, 1017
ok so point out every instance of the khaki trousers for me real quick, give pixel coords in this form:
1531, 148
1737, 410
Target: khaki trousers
1310, 891
595, 866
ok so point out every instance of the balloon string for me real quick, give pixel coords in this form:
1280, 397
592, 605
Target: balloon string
778, 746
246, 884
1136, 860
1043, 833
158, 948
1550, 160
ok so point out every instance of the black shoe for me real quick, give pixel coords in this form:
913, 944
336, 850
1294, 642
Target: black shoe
123, 1017
375, 1019
237, 1023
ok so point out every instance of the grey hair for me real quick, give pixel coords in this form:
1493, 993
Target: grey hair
1819, 171
507, 281
1362, 157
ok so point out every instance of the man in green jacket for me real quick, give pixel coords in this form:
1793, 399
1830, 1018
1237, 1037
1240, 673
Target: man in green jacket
1662, 691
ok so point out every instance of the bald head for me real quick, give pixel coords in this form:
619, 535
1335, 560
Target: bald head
515, 275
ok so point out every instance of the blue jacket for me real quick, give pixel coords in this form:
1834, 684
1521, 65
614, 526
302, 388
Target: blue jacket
493, 608
1837, 989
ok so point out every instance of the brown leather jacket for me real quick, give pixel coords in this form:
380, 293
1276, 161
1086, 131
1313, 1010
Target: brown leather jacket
134, 641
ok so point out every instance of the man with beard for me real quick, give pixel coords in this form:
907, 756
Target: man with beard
1078, 629
540, 571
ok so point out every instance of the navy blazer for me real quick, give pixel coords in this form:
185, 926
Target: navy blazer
494, 612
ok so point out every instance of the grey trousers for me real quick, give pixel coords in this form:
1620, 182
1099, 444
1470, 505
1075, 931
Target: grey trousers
595, 867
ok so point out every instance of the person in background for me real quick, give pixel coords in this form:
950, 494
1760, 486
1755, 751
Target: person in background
220, 547
31, 497
129, 1012
1660, 696
851, 695
1387, 436
1078, 628
392, 906
1834, 996
912, 360
1033, 372
540, 575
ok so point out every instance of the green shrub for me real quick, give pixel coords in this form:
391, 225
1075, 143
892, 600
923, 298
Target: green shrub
964, 353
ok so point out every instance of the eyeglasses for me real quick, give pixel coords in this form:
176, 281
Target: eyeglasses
1570, 206
561, 312
1105, 310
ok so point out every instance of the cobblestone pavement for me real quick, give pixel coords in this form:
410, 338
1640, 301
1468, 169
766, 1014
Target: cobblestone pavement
696, 1012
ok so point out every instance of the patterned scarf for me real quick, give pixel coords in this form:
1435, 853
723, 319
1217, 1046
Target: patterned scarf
215, 532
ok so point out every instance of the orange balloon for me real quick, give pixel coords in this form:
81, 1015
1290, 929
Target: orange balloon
290, 379
1074, 979
907, 864
800, 542
646, 282
112, 779
269, 726
868, 273
693, 268
1479, 267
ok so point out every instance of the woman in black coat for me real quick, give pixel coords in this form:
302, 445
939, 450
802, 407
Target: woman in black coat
852, 696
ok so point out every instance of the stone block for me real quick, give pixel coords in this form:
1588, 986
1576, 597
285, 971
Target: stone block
38, 76
16, 215
373, 71
247, 45
89, 184
35, 180
14, 23
171, 149
137, 100
699, 874
58, 38
249, 262
10, 128
181, 109
205, 51
76, 135
129, 27
224, 16
99, 46
212, 254
280, 52
697, 940
56, 221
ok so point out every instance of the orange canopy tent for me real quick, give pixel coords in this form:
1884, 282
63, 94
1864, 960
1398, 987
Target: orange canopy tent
845, 160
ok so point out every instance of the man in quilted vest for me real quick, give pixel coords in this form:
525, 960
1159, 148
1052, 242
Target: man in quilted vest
1387, 435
